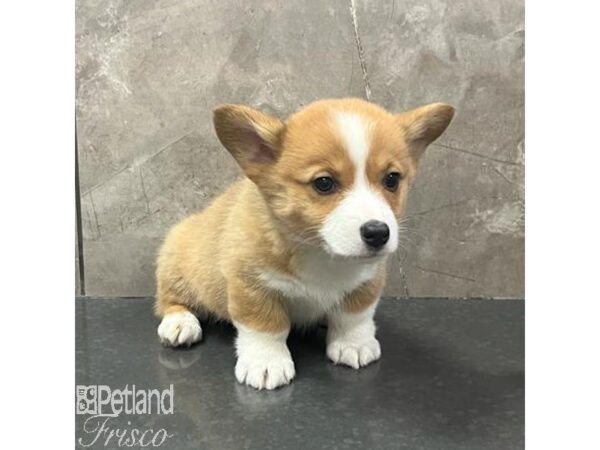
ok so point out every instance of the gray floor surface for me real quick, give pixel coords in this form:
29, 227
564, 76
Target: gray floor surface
451, 377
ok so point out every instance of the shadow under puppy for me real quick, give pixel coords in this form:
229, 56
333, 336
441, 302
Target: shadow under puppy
304, 236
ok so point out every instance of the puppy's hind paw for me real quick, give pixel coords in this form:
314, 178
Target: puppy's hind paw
179, 329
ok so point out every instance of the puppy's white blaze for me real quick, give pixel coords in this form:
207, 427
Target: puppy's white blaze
354, 131
341, 229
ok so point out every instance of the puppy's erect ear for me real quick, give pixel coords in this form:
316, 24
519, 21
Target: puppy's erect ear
424, 125
252, 137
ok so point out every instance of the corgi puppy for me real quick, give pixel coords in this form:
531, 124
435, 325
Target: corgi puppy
304, 236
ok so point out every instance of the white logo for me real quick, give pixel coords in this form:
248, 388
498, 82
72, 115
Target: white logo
104, 404
104, 401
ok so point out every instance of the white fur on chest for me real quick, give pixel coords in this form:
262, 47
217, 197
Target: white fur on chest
319, 286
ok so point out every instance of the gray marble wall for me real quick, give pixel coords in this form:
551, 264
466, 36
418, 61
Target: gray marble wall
150, 72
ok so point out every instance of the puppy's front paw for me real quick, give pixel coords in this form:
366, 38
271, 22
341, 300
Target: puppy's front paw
179, 328
354, 353
265, 371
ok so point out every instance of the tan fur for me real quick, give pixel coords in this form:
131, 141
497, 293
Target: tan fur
210, 262
366, 294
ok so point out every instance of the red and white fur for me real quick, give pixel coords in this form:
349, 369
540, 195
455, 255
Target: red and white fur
304, 236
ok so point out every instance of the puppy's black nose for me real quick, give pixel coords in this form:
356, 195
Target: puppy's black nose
374, 233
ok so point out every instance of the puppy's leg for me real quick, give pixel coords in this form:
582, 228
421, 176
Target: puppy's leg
179, 326
264, 360
351, 330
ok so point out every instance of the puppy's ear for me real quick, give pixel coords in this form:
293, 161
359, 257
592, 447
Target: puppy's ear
252, 137
424, 125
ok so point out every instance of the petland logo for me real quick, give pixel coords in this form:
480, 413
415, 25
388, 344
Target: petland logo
104, 404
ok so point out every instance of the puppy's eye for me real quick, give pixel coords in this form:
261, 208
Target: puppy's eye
324, 185
391, 181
